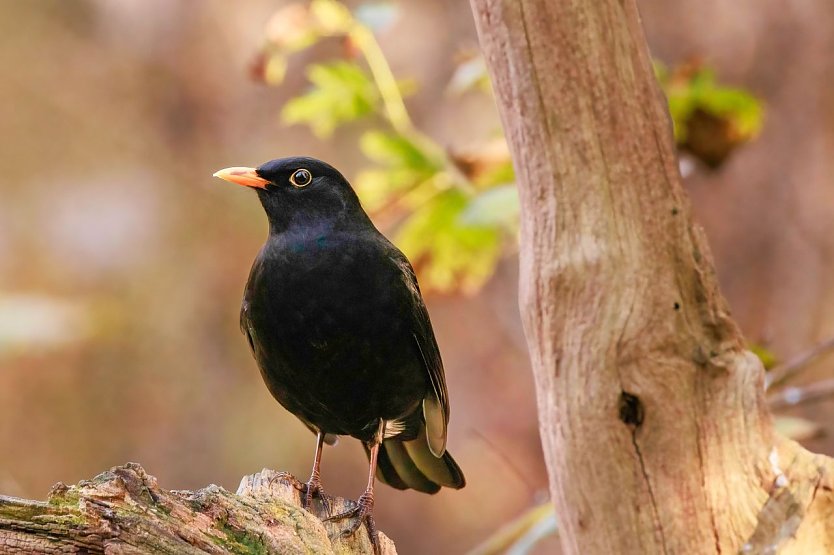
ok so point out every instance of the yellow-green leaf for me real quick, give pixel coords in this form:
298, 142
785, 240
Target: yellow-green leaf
449, 255
767, 356
341, 92
333, 17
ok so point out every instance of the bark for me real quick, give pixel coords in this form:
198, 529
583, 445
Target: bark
654, 424
125, 511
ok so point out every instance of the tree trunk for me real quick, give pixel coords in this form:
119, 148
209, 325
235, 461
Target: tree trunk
653, 419
124, 511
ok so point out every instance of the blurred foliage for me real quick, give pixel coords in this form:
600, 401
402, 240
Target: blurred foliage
453, 237
455, 211
710, 120
341, 93
767, 356
457, 252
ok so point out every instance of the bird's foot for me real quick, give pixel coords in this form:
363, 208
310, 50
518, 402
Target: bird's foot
313, 489
284, 477
363, 514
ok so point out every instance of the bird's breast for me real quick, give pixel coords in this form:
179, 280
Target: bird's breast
332, 321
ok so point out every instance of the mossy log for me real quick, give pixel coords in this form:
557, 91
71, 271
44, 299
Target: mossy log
125, 511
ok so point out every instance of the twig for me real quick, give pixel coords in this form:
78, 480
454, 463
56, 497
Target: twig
793, 396
789, 369
394, 105
513, 533
385, 81
509, 461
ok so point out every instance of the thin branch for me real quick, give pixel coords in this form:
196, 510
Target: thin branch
793, 396
385, 81
540, 519
522, 476
395, 109
791, 368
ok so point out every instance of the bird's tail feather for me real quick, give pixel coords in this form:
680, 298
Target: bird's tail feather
411, 464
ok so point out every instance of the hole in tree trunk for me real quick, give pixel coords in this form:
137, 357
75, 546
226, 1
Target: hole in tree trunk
631, 409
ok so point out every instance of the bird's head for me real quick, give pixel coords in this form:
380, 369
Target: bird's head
299, 191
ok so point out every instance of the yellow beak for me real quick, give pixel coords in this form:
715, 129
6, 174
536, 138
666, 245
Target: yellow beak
247, 177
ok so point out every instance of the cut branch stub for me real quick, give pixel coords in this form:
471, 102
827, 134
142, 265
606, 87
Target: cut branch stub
124, 510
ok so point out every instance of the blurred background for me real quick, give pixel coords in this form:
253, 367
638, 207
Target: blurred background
122, 262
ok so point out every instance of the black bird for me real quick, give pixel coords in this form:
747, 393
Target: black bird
335, 320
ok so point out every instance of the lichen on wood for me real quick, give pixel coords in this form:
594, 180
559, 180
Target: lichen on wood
125, 511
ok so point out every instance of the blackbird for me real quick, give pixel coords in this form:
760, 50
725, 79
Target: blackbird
336, 322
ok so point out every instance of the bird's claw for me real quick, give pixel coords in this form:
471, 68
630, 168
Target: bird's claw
313, 489
363, 514
284, 477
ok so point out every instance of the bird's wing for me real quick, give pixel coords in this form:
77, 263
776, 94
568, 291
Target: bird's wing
436, 402
249, 333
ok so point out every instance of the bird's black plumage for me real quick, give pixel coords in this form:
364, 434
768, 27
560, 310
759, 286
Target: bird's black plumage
335, 319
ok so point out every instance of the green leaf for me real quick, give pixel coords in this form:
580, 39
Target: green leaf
448, 255
394, 150
767, 356
691, 90
342, 92
743, 109
376, 187
404, 166
496, 207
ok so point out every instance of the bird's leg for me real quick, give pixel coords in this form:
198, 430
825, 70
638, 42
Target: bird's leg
313, 485
363, 512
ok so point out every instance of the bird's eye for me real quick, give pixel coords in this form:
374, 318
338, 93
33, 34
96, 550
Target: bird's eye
301, 178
